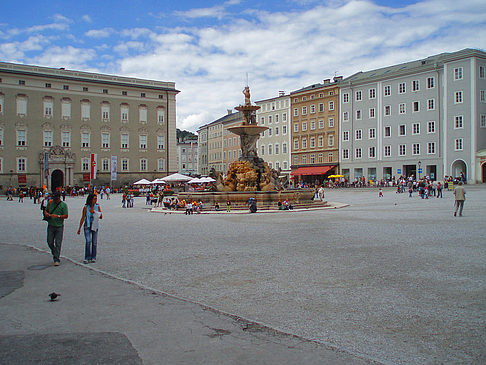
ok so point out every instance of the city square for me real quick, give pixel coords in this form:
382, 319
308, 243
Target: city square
391, 280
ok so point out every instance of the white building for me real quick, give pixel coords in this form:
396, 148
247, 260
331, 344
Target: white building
426, 117
187, 157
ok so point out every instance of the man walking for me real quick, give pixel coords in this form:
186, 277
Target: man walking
55, 213
460, 196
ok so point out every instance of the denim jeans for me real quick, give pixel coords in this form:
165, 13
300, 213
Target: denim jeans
91, 243
54, 240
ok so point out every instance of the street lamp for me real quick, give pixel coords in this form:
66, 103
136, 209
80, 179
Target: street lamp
419, 169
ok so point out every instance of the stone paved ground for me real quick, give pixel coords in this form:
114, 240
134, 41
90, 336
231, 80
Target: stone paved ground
396, 279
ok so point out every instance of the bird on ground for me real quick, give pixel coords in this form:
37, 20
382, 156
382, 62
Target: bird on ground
54, 296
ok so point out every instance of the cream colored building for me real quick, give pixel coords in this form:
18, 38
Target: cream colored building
53, 120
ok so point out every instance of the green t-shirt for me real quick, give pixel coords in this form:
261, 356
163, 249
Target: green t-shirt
61, 209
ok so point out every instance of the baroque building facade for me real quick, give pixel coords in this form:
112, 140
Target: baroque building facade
314, 131
421, 118
53, 120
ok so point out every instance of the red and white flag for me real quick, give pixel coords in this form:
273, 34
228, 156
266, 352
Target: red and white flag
94, 168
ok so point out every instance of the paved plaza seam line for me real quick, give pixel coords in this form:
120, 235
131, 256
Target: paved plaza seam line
213, 309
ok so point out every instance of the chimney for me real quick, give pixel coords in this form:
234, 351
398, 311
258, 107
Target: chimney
281, 93
230, 111
327, 81
338, 78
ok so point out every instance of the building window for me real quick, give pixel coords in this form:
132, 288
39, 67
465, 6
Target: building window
458, 97
1, 137
262, 148
458, 73
482, 98
321, 124
304, 112
481, 72
458, 122
345, 116
431, 148
270, 129
372, 133
270, 117
458, 144
402, 109
415, 85
85, 164
124, 164
296, 144
142, 114
105, 111
85, 89
321, 107
387, 151
358, 114
304, 126
387, 110
85, 110
416, 106
346, 98
66, 139
330, 140
124, 141
403, 130
270, 149
105, 140
142, 95
402, 88
372, 93
284, 117
345, 154
66, 109
416, 149
312, 158
431, 104
124, 113
402, 151
312, 109
47, 138
21, 105
359, 134
161, 164
160, 142
430, 83
143, 164
372, 113
358, 153
48, 107
372, 152
346, 136
359, 95
21, 138
142, 141
105, 91
21, 82
276, 118
482, 122
304, 143
387, 131
2, 103
331, 105
431, 127
284, 147
387, 90
284, 129
85, 139
416, 128
277, 148
105, 166
296, 112
320, 141
312, 125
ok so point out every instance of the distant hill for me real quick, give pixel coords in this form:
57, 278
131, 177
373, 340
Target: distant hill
185, 135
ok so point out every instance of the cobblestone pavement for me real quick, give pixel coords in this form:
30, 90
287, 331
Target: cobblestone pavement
395, 279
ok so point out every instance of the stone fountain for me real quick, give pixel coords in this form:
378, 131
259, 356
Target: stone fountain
250, 176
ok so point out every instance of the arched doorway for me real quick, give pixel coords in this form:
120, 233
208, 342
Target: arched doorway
57, 179
458, 167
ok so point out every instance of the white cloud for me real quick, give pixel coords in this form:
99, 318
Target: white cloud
99, 33
86, 18
68, 57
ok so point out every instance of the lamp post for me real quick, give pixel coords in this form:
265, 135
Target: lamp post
419, 169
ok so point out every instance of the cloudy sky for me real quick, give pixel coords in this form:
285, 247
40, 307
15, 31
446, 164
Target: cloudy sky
208, 47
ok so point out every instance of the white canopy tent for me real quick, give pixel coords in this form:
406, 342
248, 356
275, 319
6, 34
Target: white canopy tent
195, 181
157, 181
206, 179
142, 182
176, 178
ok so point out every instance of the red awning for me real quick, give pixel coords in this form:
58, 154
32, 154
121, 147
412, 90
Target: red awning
312, 170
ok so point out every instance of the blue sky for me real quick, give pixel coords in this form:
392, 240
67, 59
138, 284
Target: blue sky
208, 47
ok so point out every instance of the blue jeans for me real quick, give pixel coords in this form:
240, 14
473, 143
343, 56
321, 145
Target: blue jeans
91, 243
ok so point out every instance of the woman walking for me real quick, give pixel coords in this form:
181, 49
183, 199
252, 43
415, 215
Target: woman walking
91, 215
